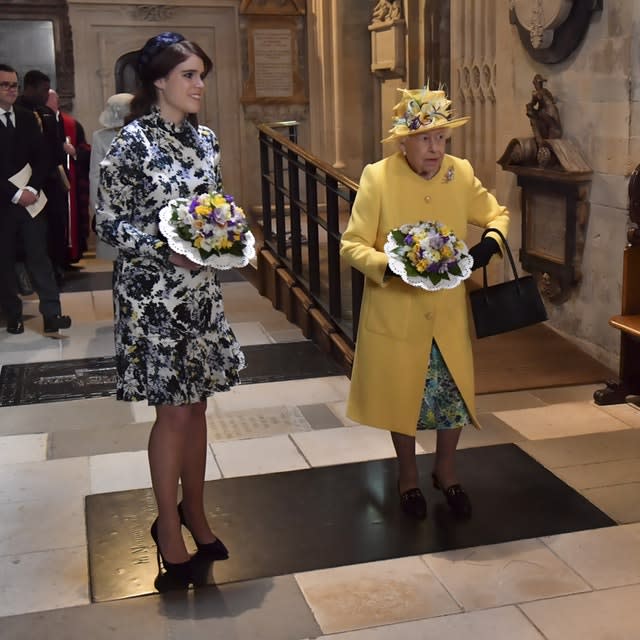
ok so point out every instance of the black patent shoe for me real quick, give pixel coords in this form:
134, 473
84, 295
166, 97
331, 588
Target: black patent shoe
15, 326
215, 550
53, 324
456, 497
176, 575
413, 503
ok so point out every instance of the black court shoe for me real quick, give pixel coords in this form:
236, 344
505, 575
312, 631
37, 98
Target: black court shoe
53, 324
15, 326
179, 574
212, 550
456, 497
413, 503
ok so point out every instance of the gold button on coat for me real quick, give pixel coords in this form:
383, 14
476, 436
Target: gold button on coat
427, 199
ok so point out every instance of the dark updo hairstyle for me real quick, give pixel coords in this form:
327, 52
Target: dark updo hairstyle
159, 56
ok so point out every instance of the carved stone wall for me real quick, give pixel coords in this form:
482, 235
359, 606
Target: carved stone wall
473, 83
596, 89
105, 32
343, 104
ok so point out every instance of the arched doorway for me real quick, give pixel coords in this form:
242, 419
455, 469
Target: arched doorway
126, 72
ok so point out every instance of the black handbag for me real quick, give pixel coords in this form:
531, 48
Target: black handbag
506, 306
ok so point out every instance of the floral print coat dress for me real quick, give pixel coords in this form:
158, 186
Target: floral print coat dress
174, 345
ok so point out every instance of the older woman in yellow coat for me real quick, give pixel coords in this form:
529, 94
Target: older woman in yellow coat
413, 364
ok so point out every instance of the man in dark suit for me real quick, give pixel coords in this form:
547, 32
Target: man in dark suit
35, 93
21, 143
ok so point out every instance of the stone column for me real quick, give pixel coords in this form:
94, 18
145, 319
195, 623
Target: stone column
473, 71
341, 88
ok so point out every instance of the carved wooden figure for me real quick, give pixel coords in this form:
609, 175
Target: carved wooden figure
543, 113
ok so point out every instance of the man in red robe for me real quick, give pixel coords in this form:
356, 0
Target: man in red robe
77, 169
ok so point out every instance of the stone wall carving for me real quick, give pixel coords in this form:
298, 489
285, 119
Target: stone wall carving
550, 30
473, 91
273, 7
387, 40
153, 12
386, 11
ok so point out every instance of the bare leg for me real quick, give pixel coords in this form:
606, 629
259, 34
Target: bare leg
405, 447
167, 445
445, 460
192, 476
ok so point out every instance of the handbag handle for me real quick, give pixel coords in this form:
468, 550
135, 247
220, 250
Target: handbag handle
509, 255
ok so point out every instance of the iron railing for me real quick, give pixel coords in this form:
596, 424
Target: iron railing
306, 205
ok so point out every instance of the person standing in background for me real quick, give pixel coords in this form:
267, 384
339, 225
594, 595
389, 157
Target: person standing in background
34, 97
77, 169
112, 120
22, 144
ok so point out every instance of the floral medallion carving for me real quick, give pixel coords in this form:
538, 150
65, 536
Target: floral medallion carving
550, 30
153, 12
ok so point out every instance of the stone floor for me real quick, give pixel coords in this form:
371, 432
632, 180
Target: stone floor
578, 585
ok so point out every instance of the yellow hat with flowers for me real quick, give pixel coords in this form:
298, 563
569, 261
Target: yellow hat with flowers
421, 110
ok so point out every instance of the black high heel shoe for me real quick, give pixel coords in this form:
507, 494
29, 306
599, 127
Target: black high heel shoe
456, 497
211, 550
179, 573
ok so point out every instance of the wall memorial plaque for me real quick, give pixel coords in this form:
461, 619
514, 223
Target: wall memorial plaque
274, 71
273, 63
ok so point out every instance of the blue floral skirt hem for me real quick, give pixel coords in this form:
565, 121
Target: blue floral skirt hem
442, 405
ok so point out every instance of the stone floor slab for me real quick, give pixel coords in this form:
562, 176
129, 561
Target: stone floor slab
504, 623
510, 573
23, 448
347, 598
256, 423
43, 580
560, 420
600, 615
605, 558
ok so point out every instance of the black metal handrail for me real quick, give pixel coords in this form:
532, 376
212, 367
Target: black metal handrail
299, 190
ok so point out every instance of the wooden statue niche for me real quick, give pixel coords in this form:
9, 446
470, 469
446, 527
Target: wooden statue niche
547, 149
627, 388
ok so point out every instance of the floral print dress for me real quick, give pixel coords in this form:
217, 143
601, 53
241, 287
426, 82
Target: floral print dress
174, 345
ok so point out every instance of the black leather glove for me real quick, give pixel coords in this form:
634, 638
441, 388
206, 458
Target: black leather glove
482, 252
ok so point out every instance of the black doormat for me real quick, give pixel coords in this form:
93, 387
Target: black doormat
324, 517
95, 377
80, 280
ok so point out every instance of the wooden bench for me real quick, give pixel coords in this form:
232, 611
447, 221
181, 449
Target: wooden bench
628, 322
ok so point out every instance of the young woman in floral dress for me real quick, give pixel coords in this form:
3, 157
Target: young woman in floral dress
174, 346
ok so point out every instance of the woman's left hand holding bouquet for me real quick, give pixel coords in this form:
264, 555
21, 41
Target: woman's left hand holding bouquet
182, 261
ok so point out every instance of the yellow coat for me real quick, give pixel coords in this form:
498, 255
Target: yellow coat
398, 322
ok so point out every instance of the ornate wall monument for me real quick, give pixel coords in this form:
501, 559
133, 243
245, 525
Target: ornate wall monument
553, 177
387, 39
550, 30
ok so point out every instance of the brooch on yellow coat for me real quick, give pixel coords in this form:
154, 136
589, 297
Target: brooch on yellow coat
449, 175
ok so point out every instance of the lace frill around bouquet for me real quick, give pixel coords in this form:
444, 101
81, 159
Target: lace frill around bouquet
398, 264
221, 259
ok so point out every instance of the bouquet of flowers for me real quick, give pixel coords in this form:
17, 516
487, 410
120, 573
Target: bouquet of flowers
209, 229
428, 255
